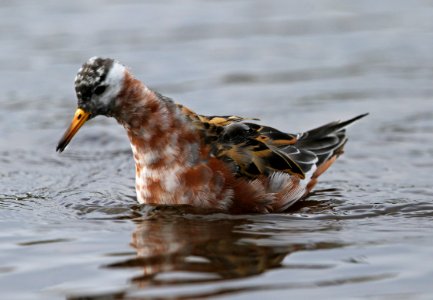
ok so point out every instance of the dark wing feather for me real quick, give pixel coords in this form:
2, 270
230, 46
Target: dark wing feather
251, 151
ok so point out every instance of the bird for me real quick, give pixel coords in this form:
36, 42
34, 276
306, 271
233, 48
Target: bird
228, 164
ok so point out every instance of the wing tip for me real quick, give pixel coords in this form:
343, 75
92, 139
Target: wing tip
350, 121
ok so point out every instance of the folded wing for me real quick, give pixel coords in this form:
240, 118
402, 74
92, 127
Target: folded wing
254, 150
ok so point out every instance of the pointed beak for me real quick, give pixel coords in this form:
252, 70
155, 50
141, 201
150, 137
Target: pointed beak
79, 119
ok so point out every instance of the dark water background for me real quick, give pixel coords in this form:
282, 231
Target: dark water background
69, 224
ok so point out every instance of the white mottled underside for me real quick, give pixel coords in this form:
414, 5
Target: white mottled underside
170, 178
282, 184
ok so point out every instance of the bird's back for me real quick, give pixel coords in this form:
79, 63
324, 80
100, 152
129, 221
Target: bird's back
253, 150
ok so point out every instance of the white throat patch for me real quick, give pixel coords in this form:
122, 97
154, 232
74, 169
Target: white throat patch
114, 82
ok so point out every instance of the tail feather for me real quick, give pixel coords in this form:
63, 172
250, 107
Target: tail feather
327, 140
329, 128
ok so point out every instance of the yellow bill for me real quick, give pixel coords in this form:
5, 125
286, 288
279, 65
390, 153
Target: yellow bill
79, 119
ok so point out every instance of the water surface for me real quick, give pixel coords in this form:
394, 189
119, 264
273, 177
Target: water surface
70, 225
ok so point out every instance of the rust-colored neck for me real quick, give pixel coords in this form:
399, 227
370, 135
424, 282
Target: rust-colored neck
154, 122
165, 143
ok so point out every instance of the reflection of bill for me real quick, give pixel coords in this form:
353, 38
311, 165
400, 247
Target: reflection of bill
203, 249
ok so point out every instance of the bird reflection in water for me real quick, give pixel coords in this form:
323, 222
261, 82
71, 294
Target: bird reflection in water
175, 249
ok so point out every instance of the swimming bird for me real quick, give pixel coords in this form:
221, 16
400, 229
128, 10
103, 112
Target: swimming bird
222, 163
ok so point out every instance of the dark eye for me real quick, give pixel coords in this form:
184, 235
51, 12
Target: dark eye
100, 89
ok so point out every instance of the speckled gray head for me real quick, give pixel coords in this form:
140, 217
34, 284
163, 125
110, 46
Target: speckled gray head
97, 85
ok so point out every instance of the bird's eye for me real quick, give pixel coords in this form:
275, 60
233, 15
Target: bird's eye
100, 89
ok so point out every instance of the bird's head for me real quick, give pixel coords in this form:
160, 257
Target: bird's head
98, 84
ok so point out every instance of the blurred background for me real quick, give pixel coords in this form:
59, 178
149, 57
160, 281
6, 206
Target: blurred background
69, 225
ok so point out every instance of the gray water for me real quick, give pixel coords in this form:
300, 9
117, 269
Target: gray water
69, 223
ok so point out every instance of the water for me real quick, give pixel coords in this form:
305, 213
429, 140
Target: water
70, 225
